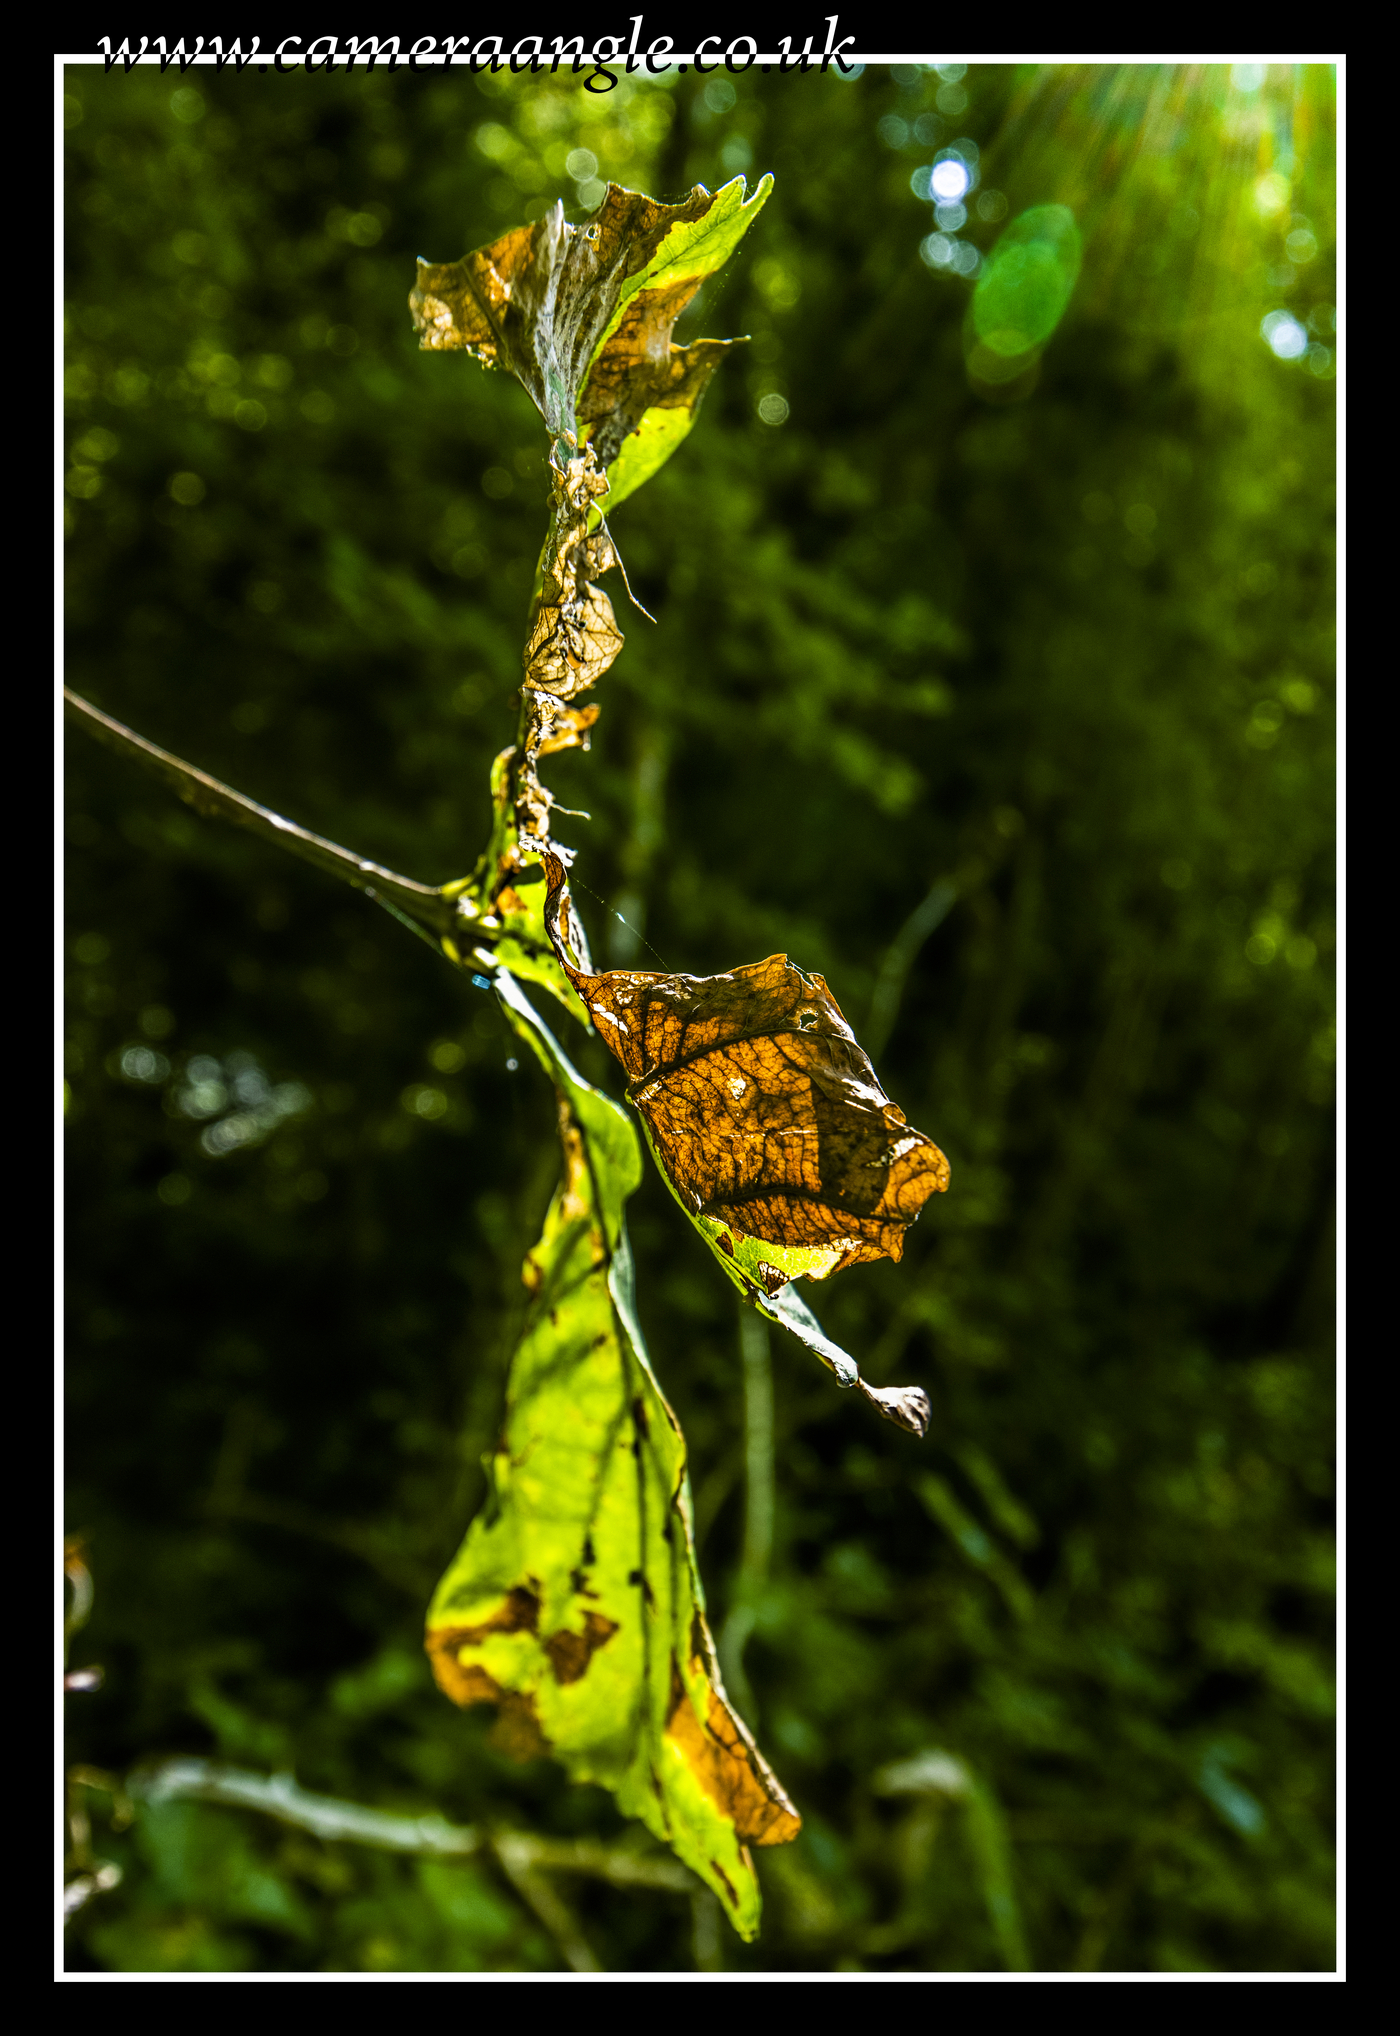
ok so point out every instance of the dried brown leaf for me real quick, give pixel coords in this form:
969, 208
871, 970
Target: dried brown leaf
538, 300
762, 1108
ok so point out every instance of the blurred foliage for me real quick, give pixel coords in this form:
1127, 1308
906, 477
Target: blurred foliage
1063, 645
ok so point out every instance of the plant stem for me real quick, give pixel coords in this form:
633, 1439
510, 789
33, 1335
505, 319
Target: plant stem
423, 904
572, 637
758, 1508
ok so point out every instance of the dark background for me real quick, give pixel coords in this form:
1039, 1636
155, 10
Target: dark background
1066, 645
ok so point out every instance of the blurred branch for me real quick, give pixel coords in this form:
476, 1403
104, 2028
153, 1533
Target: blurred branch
93, 1876
78, 1893
1120, 1068
79, 1577
210, 1781
938, 1774
516, 1862
712, 1492
1108, 1910
423, 904
900, 957
397, 1569
758, 1506
524, 1858
617, 1865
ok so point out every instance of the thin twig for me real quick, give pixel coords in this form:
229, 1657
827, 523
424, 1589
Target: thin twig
623, 570
900, 957
399, 1570
545, 1901
422, 903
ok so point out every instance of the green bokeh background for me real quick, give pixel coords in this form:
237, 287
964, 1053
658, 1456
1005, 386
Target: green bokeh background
1064, 643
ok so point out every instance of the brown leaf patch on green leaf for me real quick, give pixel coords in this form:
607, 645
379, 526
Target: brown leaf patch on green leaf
570, 1653
720, 1753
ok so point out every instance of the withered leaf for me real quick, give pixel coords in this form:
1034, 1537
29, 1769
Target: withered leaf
499, 909
574, 1604
565, 306
582, 316
763, 1111
574, 635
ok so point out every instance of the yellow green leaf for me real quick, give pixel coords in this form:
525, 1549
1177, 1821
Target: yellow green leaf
574, 1604
646, 449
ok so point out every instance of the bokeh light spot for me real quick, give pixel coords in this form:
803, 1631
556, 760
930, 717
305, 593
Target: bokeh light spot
1271, 194
422, 1101
949, 179
1262, 728
778, 282
1283, 333
143, 1064
1027, 281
